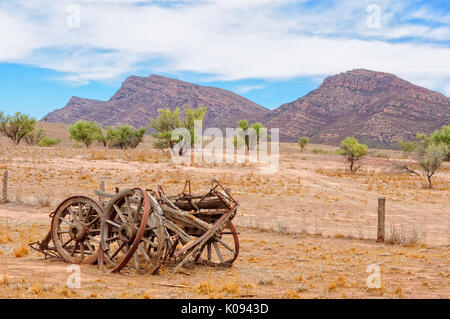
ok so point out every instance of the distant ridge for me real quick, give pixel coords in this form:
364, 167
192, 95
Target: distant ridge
139, 99
376, 107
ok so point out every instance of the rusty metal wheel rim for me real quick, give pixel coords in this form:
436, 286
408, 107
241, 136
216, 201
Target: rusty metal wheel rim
134, 235
75, 229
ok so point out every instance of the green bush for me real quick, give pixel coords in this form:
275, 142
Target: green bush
353, 151
46, 141
17, 126
85, 132
302, 142
319, 151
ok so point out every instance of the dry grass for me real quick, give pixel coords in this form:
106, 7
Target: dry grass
21, 251
404, 235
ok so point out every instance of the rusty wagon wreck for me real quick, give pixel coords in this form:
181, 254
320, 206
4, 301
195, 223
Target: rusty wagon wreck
144, 229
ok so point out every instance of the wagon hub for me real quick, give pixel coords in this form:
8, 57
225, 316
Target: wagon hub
127, 232
77, 231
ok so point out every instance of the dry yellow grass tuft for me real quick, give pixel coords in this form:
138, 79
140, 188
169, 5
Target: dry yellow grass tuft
36, 290
21, 251
290, 294
231, 288
398, 291
204, 287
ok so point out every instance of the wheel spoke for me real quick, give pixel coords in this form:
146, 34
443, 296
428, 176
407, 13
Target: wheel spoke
72, 213
144, 253
112, 223
65, 221
112, 238
93, 221
119, 212
130, 212
224, 244
67, 242
80, 212
91, 249
117, 251
82, 250
74, 248
138, 208
218, 252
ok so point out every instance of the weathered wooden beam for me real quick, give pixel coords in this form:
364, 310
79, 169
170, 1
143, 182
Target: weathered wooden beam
381, 219
5, 187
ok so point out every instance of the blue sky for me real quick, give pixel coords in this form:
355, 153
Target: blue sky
270, 51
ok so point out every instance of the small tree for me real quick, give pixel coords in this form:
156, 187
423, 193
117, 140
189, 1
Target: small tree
168, 121
302, 142
85, 132
193, 115
125, 136
34, 137
353, 151
16, 126
243, 135
442, 136
244, 125
164, 124
430, 158
257, 127
407, 147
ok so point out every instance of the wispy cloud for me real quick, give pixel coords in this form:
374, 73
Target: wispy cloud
248, 88
229, 39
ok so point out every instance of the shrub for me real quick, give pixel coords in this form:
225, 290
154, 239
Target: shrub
17, 126
407, 147
430, 157
168, 121
46, 141
34, 137
85, 132
353, 151
442, 136
124, 137
403, 235
319, 151
302, 142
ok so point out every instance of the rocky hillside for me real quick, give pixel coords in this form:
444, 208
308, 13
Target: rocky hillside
139, 99
377, 108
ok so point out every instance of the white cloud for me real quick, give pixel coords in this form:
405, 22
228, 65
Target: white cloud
226, 40
248, 88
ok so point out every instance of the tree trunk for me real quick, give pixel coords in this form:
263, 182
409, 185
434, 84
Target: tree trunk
351, 166
429, 180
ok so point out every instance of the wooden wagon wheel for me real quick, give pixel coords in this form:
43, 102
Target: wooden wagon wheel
221, 251
132, 229
75, 229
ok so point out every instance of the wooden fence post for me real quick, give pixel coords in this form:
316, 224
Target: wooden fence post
381, 211
5, 187
102, 189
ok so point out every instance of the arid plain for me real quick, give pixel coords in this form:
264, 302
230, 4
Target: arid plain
307, 231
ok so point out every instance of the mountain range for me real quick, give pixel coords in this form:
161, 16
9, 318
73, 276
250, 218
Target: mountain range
377, 108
